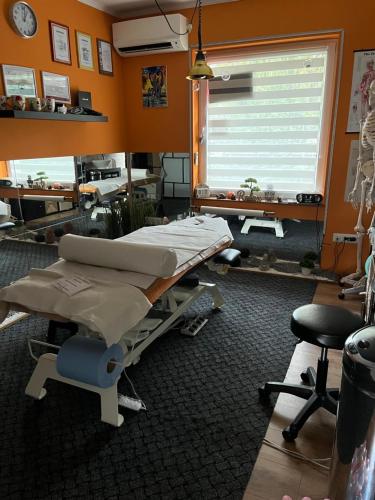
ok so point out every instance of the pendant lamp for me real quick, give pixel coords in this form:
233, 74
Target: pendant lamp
200, 69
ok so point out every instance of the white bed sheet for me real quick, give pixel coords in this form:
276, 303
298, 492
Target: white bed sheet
109, 308
106, 187
115, 303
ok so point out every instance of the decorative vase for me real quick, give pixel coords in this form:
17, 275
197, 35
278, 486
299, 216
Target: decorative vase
18, 102
306, 271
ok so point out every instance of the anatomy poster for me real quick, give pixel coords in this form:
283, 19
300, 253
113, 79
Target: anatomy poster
363, 75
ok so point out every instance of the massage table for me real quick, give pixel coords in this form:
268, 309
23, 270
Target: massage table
100, 191
195, 240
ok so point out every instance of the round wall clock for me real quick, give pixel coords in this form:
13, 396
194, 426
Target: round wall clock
23, 19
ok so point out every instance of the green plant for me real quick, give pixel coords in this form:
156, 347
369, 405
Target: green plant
309, 264
124, 217
250, 183
41, 176
311, 256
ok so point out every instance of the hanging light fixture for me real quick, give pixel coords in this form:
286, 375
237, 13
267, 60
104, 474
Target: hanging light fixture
200, 69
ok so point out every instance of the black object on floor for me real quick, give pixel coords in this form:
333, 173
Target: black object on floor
204, 425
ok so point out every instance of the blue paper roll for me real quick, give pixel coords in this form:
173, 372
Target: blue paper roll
88, 360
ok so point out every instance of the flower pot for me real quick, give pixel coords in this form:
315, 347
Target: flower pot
306, 271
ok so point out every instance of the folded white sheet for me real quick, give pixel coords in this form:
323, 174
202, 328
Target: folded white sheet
106, 187
119, 254
108, 308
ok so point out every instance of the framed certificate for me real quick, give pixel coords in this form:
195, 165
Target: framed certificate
56, 87
60, 44
105, 57
84, 47
19, 80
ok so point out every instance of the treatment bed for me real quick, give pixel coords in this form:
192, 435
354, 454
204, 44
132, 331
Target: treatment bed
97, 192
130, 292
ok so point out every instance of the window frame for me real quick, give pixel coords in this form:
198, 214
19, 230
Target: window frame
329, 41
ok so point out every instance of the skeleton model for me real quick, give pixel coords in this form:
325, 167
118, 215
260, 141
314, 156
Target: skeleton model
363, 191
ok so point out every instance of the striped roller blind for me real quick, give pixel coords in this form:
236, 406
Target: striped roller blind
273, 134
58, 169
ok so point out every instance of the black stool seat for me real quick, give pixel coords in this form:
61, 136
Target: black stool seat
325, 326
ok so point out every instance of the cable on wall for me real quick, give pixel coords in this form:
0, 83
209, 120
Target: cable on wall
190, 25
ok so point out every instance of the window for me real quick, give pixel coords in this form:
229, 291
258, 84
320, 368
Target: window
58, 169
274, 129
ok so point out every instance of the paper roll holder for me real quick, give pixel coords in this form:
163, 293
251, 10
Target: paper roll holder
46, 369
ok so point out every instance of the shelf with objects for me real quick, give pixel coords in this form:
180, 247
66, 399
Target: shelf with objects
42, 115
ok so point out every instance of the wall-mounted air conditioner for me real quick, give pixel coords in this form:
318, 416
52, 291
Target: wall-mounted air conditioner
150, 35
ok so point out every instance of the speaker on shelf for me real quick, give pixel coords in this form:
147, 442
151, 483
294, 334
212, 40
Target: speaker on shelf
313, 198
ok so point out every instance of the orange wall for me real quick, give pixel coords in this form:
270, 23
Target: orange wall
33, 138
157, 129
257, 18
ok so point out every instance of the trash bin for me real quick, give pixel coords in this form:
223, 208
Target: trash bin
353, 469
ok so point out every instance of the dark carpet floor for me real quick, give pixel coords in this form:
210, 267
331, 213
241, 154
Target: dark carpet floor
300, 237
200, 436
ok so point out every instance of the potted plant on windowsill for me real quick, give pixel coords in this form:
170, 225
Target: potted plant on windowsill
306, 266
250, 184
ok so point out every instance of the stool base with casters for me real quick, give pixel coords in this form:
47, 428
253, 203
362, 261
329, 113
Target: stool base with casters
315, 392
326, 327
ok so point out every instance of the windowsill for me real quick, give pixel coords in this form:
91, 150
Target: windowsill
284, 210
200, 201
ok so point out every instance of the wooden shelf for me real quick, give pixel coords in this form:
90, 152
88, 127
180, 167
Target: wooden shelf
14, 192
41, 115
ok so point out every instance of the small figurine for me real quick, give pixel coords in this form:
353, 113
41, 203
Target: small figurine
29, 181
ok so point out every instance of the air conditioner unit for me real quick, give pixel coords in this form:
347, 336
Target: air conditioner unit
150, 35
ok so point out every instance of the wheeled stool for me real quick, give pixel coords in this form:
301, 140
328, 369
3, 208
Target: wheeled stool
326, 327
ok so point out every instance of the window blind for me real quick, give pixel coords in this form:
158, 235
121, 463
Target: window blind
57, 169
273, 135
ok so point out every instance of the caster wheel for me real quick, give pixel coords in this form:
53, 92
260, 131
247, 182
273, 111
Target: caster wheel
341, 296
289, 434
264, 395
305, 378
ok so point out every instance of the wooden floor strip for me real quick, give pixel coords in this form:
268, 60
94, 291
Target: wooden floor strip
275, 473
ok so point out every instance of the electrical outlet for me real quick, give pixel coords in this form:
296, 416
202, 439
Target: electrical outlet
344, 238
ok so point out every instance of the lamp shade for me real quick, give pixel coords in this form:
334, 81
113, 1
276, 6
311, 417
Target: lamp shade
200, 69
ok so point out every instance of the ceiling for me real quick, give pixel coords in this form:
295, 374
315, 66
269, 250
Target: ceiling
133, 8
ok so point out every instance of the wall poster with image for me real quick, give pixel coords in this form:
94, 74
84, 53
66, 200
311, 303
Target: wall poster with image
363, 75
84, 47
154, 87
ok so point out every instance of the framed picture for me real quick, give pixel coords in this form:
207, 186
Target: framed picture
104, 57
154, 87
363, 75
56, 87
84, 47
19, 80
60, 44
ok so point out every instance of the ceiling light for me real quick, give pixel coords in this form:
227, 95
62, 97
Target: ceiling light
200, 69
